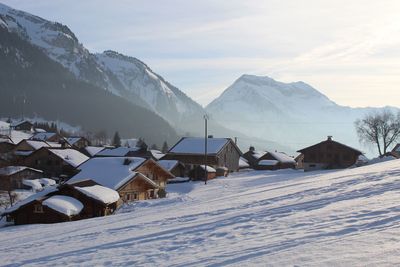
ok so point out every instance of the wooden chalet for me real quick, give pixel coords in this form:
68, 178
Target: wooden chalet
12, 177
24, 125
173, 166
133, 178
56, 162
199, 173
6, 146
275, 161
221, 152
252, 157
77, 142
64, 203
396, 151
329, 154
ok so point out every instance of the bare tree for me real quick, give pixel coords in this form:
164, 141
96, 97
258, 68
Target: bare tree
379, 128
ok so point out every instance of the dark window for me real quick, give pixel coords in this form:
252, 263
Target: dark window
38, 209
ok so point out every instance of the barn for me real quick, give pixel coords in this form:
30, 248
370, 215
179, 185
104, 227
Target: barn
221, 152
329, 154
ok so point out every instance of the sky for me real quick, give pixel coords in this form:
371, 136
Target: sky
348, 50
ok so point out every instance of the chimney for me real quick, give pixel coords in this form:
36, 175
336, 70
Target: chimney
330, 137
127, 161
252, 149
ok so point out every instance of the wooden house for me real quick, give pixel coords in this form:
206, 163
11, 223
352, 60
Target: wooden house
396, 151
221, 152
77, 142
275, 161
329, 154
12, 177
133, 178
199, 173
252, 157
64, 203
23, 125
56, 162
6, 146
173, 166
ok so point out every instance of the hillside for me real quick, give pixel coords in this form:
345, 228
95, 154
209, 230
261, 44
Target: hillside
278, 218
294, 114
118, 74
53, 93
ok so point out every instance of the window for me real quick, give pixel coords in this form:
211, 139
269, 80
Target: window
38, 208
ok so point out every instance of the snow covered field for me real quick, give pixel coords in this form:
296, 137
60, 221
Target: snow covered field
281, 218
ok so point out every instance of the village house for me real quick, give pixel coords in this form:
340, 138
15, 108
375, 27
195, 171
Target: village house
221, 152
64, 203
198, 173
6, 145
77, 142
275, 161
329, 154
173, 166
12, 177
27, 147
56, 162
252, 156
396, 151
23, 125
132, 177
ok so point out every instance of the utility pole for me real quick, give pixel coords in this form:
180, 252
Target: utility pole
205, 148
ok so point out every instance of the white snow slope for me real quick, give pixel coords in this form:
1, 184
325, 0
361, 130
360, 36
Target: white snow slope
256, 218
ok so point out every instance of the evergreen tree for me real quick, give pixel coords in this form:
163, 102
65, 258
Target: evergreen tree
116, 140
165, 147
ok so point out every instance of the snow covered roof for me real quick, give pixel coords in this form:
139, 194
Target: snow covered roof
100, 193
47, 181
64, 204
168, 164
111, 172
209, 169
17, 123
93, 150
71, 156
243, 163
195, 145
331, 141
31, 198
73, 140
10, 170
267, 162
157, 154
282, 157
36, 144
42, 136
34, 184
116, 152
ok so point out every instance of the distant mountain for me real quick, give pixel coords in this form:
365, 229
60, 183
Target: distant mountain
33, 84
114, 75
121, 75
292, 114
